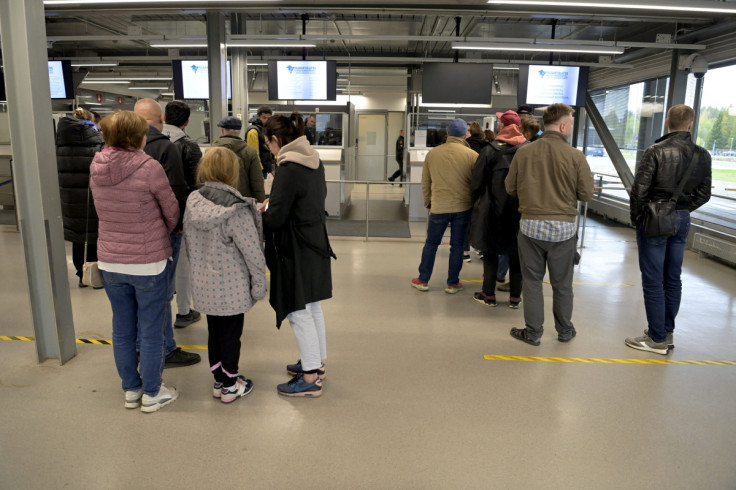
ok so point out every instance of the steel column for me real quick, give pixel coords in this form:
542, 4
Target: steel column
36, 177
217, 64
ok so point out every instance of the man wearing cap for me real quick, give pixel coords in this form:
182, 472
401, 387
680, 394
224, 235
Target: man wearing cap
446, 178
256, 140
496, 216
250, 177
549, 177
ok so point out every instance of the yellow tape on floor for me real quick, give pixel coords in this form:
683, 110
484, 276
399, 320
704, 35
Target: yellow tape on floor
607, 361
93, 341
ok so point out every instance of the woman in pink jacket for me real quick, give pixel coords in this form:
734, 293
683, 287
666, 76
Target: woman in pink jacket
137, 211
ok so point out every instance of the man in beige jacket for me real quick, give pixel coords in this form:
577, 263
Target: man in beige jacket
446, 179
549, 177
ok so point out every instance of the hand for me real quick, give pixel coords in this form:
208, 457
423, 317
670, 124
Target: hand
263, 207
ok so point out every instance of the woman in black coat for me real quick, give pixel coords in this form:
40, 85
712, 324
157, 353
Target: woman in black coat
77, 141
297, 249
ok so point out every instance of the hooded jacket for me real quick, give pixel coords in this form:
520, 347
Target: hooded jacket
256, 140
446, 177
161, 149
189, 151
477, 143
223, 235
76, 145
136, 207
661, 169
297, 248
250, 176
549, 177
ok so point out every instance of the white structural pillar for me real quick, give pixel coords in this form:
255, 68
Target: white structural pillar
217, 65
239, 68
22, 25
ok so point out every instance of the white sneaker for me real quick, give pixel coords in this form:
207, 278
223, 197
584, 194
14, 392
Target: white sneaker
165, 396
133, 398
241, 388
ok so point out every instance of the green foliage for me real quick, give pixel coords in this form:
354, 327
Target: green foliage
716, 126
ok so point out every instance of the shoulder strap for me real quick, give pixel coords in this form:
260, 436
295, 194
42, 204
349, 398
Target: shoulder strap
690, 168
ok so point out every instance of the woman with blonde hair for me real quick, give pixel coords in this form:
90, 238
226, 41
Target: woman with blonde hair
223, 235
137, 211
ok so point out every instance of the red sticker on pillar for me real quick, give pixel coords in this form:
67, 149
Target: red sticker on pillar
99, 98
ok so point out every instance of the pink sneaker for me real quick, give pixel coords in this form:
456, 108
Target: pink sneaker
417, 284
454, 288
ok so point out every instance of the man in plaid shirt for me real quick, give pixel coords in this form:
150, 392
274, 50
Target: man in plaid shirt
549, 177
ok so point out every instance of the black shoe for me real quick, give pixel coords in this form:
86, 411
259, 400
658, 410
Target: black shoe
568, 336
81, 284
180, 358
523, 335
186, 320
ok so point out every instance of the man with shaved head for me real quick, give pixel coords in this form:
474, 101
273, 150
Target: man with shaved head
159, 147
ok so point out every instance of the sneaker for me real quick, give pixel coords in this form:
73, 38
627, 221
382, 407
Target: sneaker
501, 279
217, 390
417, 284
241, 388
295, 369
133, 398
454, 288
298, 387
523, 335
505, 287
466, 257
514, 303
645, 343
165, 396
186, 320
180, 358
568, 336
670, 339
81, 284
486, 299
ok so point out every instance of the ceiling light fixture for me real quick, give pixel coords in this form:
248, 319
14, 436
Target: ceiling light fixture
97, 2
93, 82
182, 43
667, 6
536, 47
148, 88
108, 79
94, 63
265, 43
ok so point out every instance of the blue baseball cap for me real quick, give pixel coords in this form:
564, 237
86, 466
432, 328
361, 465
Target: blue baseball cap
457, 128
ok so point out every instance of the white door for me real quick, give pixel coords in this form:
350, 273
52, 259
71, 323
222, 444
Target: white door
372, 146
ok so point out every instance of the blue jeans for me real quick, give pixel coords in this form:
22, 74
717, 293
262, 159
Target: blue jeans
660, 262
459, 223
138, 313
503, 265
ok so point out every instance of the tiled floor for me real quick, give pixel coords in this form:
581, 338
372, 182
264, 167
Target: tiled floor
409, 400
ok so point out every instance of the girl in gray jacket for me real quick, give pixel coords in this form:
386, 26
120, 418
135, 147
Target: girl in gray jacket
223, 235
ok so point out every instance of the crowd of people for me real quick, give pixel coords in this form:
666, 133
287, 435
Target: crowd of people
518, 195
159, 218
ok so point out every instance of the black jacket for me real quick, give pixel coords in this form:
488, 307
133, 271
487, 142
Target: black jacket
76, 144
495, 219
400, 149
264, 152
160, 148
477, 143
297, 248
189, 151
661, 169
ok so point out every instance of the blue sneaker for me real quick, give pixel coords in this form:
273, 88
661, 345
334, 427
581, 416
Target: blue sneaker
298, 387
296, 369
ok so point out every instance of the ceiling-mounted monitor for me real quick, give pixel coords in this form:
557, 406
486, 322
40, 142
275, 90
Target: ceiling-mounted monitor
60, 79
457, 83
541, 85
302, 80
192, 81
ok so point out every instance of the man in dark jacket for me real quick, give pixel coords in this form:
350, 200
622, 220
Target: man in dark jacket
176, 116
399, 174
658, 175
250, 177
159, 147
255, 139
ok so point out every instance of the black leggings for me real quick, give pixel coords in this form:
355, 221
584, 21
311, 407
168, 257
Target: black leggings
224, 346
78, 255
490, 270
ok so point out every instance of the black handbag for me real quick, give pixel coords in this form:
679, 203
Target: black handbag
659, 216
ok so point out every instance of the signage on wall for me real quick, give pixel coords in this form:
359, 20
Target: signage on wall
120, 100
99, 98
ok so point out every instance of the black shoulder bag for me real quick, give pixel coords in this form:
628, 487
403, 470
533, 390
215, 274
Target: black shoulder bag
659, 216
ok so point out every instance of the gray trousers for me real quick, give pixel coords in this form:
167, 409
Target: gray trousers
536, 256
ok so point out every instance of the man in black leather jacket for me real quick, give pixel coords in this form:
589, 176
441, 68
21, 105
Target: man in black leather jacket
660, 258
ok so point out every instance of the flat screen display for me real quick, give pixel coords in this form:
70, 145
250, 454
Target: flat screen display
302, 80
457, 83
191, 80
541, 85
60, 79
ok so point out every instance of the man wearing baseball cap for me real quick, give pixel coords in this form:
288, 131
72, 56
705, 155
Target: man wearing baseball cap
446, 179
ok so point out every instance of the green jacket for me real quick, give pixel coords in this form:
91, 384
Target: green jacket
549, 177
446, 177
250, 180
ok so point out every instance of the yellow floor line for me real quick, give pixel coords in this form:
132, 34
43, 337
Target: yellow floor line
94, 341
618, 284
607, 361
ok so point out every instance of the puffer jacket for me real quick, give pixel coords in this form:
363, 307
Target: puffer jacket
223, 234
136, 207
77, 142
189, 150
161, 149
661, 169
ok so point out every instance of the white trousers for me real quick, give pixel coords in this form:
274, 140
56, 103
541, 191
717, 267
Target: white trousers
309, 329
